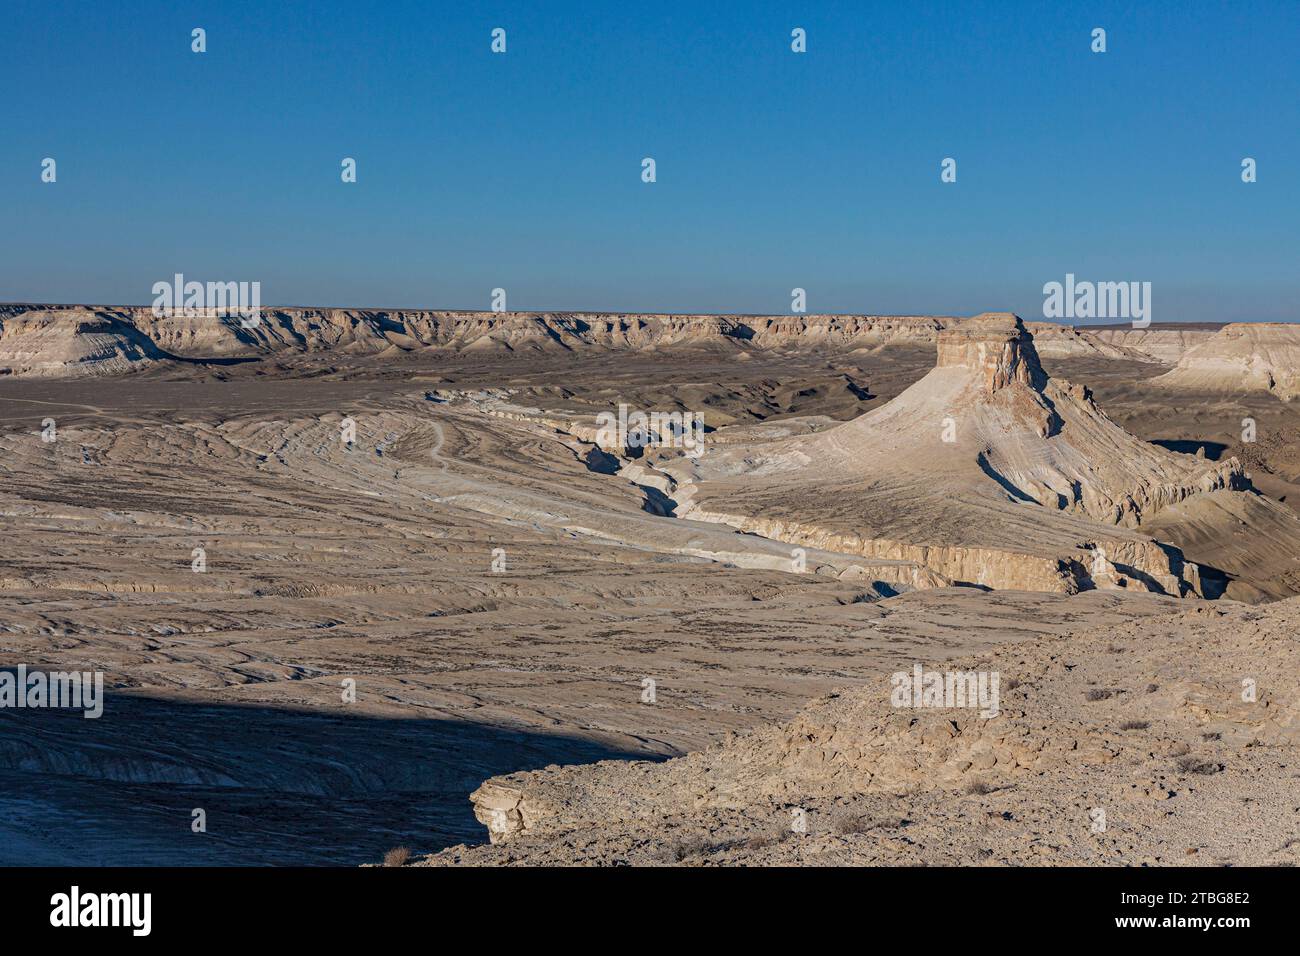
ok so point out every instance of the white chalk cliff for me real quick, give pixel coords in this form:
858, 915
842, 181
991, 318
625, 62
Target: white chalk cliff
986, 471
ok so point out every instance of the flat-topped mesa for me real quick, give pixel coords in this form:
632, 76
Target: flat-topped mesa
1242, 357
70, 342
997, 346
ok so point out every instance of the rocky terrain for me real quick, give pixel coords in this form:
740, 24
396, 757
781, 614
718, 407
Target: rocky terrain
1242, 357
114, 331
89, 340
1165, 740
1052, 340
987, 472
57, 342
341, 569
1164, 343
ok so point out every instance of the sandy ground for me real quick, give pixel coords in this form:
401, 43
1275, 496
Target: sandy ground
375, 563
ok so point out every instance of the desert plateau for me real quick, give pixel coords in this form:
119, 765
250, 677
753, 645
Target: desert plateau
557, 588
563, 458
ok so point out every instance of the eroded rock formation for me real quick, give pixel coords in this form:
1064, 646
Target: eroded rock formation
1242, 357
43, 343
70, 340
987, 471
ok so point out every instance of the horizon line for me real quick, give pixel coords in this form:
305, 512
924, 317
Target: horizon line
625, 312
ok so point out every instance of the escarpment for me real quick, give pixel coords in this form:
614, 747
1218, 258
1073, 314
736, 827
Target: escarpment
53, 340
1242, 358
72, 342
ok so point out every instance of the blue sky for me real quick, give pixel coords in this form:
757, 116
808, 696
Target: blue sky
775, 170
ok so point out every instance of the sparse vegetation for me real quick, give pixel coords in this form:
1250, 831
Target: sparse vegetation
773, 837
397, 856
687, 847
1100, 693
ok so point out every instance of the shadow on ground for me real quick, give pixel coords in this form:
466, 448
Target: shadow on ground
1213, 449
277, 786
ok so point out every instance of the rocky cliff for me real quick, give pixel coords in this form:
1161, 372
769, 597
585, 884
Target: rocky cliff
71, 340
1242, 358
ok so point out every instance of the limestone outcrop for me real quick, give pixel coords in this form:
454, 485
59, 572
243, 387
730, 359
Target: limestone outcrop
1242, 358
987, 471
1161, 343
72, 342
142, 336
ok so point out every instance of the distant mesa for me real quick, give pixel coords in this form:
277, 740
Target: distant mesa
1067, 341
1242, 357
70, 342
373, 332
1162, 344
82, 339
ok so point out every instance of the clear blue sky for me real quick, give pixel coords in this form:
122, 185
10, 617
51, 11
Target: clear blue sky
775, 170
